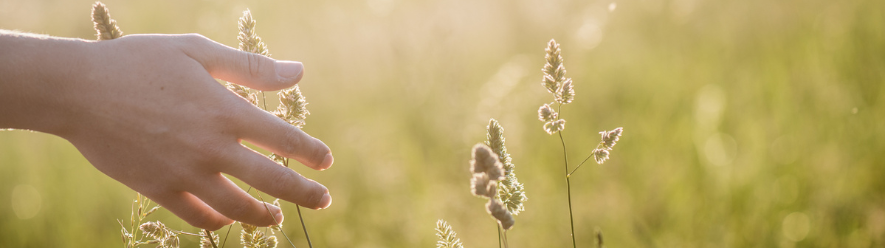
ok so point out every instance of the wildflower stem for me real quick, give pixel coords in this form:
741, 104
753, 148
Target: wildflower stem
499, 234
264, 100
568, 184
579, 165
228, 231
303, 226
211, 241
505, 240
275, 220
183, 232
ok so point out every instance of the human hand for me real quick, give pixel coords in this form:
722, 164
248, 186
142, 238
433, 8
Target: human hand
146, 111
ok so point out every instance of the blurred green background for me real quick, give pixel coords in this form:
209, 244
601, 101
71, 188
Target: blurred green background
748, 123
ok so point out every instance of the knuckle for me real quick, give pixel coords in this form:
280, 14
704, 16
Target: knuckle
209, 152
281, 181
239, 209
193, 39
255, 62
293, 142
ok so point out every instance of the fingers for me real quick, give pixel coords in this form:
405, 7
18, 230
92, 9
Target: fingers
231, 201
274, 179
277, 136
243, 68
191, 209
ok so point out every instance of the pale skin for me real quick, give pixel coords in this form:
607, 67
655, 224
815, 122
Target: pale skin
147, 111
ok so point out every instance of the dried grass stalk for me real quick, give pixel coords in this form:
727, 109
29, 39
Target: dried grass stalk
104, 25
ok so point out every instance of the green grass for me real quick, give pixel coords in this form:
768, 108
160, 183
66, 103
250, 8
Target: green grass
401, 93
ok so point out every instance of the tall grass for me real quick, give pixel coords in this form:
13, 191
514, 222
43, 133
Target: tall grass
488, 167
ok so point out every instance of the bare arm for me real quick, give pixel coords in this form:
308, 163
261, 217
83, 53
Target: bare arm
146, 111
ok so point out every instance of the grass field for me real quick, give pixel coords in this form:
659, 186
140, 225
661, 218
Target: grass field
747, 123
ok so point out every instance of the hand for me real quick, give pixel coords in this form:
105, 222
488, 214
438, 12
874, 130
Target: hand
146, 111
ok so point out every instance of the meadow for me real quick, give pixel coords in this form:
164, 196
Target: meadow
747, 123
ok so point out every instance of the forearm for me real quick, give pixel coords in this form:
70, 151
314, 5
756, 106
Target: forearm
36, 77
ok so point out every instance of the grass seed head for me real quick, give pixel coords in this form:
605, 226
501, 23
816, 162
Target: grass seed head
566, 93
554, 79
171, 242
479, 184
447, 236
293, 106
546, 113
554, 126
105, 27
243, 92
610, 138
497, 210
600, 155
155, 230
485, 161
510, 190
249, 40
207, 241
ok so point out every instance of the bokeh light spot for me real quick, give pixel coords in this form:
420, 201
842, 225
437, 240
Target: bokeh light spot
796, 226
720, 149
26, 201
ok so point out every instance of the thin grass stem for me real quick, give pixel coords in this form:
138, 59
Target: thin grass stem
228, 233
264, 100
499, 234
211, 241
585, 160
275, 220
579, 165
506, 245
568, 186
303, 226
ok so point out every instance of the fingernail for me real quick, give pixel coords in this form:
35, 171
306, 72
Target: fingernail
289, 69
279, 217
326, 201
327, 162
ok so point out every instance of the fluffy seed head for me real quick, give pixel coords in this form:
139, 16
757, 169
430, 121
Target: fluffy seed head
550, 83
554, 126
155, 230
271, 242
566, 93
447, 236
293, 106
105, 27
554, 79
600, 155
249, 40
251, 237
554, 65
497, 210
243, 92
610, 138
171, 241
279, 159
248, 228
485, 161
546, 113
479, 184
207, 241
510, 191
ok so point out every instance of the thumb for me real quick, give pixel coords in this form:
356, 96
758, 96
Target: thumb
243, 68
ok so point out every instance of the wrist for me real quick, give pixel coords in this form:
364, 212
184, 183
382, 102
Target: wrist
40, 79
